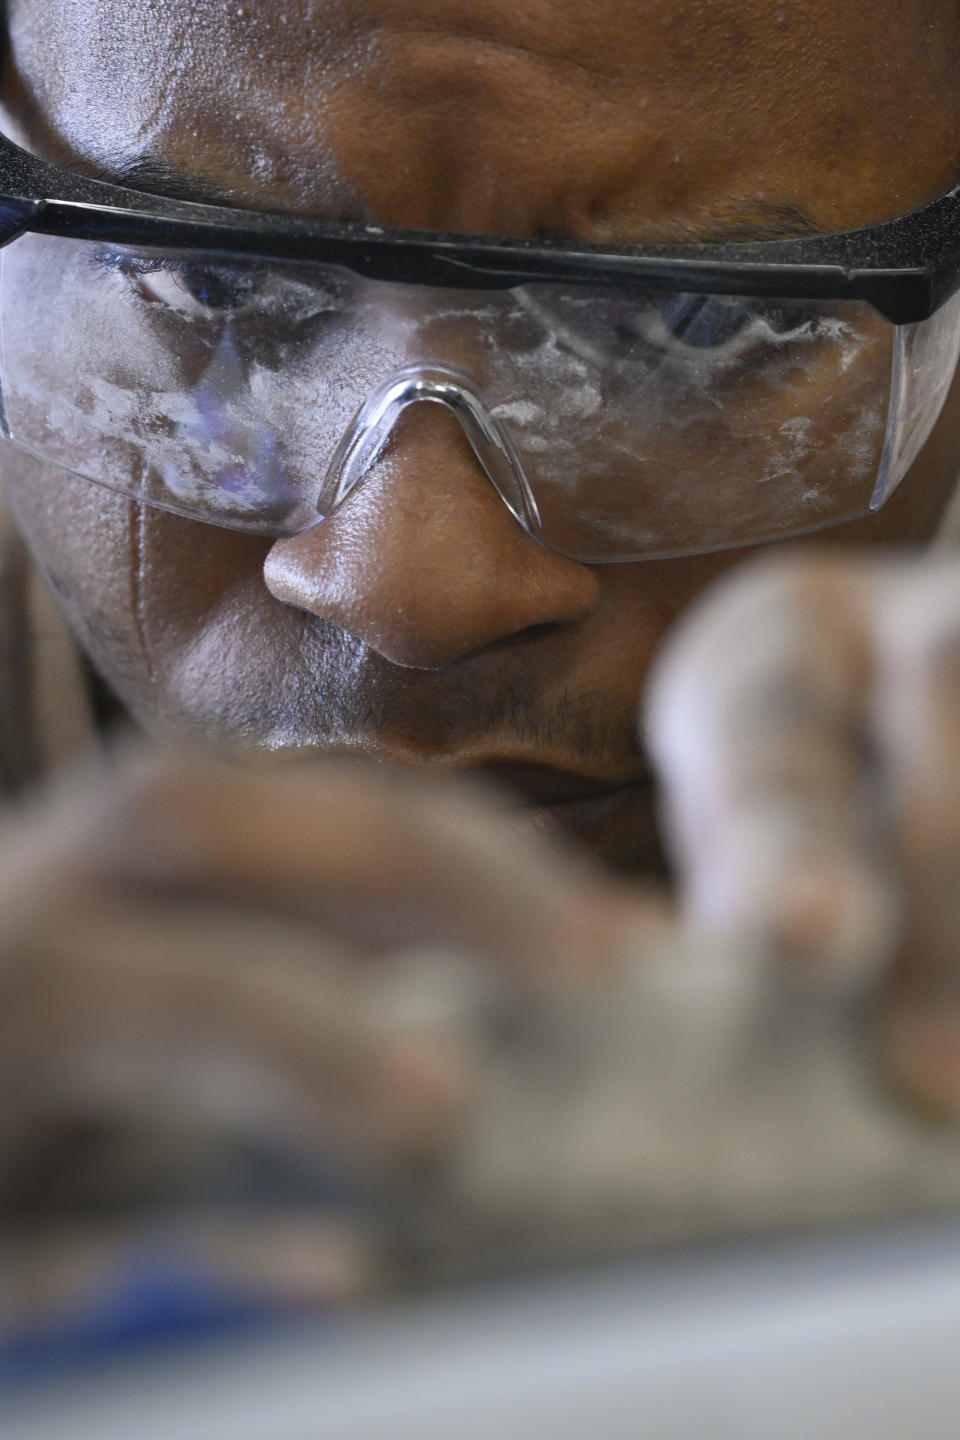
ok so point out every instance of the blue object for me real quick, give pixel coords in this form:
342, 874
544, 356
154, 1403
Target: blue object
149, 1299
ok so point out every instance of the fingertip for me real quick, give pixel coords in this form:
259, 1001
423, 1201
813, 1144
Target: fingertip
919, 1051
838, 919
423, 1087
601, 928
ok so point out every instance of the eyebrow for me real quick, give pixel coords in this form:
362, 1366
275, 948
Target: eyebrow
157, 176
757, 220
753, 220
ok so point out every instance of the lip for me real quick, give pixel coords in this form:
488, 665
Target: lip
551, 798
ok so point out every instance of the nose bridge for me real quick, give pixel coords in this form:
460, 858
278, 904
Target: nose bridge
423, 566
430, 383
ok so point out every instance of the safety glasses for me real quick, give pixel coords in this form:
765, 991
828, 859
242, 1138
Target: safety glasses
249, 370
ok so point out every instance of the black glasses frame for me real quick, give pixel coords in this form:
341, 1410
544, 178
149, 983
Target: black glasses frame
905, 268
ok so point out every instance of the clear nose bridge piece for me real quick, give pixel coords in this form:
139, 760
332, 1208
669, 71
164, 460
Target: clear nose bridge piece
437, 384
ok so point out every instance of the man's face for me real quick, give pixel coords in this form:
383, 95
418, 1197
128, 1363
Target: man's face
420, 622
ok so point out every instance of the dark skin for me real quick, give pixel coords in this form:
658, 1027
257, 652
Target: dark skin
420, 623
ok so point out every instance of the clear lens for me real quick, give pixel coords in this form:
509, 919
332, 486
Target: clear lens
665, 425
203, 384
616, 424
924, 359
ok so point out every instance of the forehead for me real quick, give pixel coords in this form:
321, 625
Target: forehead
609, 119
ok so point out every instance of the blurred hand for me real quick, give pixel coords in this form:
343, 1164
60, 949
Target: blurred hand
805, 719
191, 951
519, 1058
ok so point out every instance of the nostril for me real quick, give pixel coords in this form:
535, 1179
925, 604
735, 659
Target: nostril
528, 633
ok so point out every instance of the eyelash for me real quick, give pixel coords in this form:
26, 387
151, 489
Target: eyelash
638, 328
247, 282
262, 291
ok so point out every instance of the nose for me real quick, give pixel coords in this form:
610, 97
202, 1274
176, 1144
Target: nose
423, 562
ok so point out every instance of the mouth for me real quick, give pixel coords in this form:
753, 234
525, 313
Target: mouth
550, 799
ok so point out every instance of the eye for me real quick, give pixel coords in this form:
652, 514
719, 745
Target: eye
215, 289
705, 322
721, 323
632, 325
200, 290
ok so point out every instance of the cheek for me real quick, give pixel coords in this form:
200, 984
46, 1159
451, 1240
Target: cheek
639, 605
145, 591
219, 647
931, 485
84, 539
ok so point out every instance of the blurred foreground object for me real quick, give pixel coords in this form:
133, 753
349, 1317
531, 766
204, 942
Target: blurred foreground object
700, 1091
444, 1050
851, 1336
805, 720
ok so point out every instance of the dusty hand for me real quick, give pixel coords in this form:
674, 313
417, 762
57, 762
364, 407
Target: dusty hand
371, 969
181, 939
806, 722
